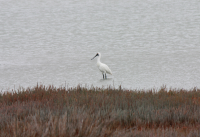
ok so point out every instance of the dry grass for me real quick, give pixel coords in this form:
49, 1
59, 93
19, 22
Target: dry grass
50, 111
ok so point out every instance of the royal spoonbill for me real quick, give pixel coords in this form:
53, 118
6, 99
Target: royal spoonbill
102, 67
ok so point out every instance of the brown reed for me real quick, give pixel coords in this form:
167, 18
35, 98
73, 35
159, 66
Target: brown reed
81, 111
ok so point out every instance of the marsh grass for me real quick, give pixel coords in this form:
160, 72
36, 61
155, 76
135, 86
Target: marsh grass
80, 111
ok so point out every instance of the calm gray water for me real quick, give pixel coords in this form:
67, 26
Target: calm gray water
146, 43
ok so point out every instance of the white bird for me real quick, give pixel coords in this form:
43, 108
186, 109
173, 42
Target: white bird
102, 67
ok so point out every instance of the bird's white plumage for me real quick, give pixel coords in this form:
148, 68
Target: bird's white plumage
102, 67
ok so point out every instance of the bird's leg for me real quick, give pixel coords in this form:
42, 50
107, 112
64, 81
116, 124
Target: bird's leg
105, 76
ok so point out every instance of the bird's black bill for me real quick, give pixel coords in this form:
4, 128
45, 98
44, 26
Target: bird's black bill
95, 56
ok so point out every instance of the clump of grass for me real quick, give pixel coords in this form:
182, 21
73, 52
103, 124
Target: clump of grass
80, 111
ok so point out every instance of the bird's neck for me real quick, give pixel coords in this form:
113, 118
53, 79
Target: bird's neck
98, 61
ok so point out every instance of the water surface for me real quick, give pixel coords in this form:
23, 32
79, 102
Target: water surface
145, 43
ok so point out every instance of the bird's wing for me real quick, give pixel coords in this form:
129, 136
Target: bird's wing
106, 68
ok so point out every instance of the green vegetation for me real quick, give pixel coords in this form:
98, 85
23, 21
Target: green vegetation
79, 111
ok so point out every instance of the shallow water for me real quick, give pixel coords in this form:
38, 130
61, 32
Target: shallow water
145, 43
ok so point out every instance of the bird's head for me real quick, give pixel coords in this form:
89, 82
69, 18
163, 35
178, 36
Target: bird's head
98, 54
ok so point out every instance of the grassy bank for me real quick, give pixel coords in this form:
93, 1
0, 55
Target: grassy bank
79, 111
